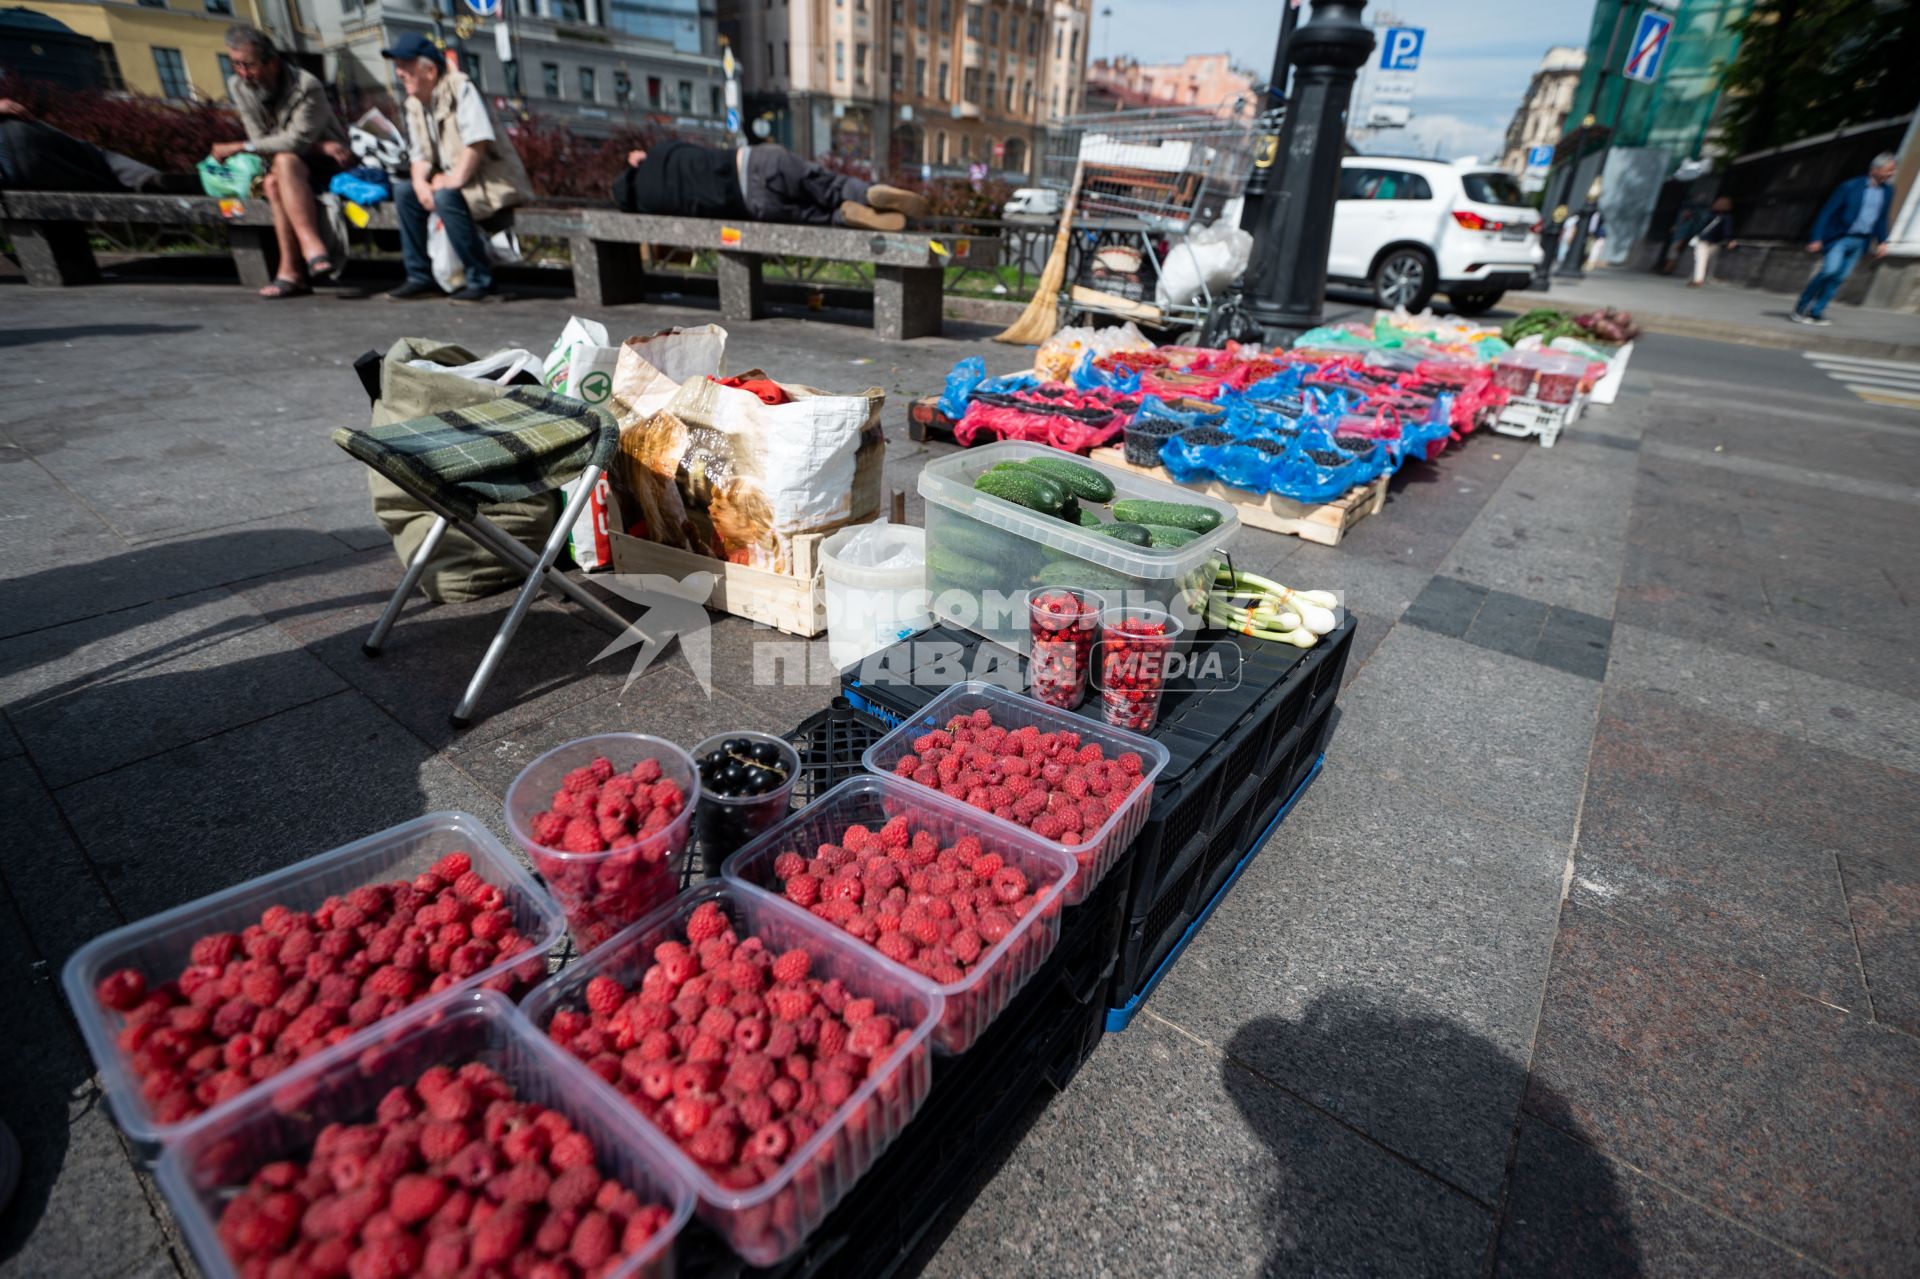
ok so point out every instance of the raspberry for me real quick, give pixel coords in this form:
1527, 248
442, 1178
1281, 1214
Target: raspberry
453, 1103
857, 1011
441, 1140
788, 1004
393, 1257
582, 836
593, 1241
792, 967
214, 950
122, 991
574, 1189
897, 948
604, 994
803, 890
523, 1183
572, 1151
499, 1237
416, 1197
646, 772
714, 1144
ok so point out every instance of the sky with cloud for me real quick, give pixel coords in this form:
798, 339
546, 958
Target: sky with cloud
1474, 66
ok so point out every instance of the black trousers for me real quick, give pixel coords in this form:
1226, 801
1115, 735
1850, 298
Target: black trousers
781, 187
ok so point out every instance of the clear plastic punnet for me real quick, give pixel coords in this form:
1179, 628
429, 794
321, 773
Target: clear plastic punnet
983, 552
604, 891
160, 946
1099, 849
767, 1222
345, 1084
974, 1001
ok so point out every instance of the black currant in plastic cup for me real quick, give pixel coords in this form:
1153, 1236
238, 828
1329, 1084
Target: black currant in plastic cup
746, 785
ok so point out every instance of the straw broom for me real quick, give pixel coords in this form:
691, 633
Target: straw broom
1042, 316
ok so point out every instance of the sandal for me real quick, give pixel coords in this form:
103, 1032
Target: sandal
285, 288
320, 267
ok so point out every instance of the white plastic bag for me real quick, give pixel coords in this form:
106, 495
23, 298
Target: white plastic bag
448, 272
1204, 261
1060, 354
503, 248
650, 369
581, 364
587, 539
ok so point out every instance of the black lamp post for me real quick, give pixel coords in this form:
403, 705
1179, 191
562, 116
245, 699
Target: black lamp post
1272, 101
1287, 279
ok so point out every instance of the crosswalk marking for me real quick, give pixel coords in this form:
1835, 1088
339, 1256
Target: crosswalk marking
1891, 382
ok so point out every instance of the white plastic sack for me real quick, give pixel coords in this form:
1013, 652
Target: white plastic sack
650, 369
1203, 262
1060, 354
503, 248
587, 539
581, 363
448, 272
500, 366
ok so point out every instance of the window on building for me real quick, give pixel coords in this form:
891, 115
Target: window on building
154, 4
110, 77
622, 87
993, 26
472, 67
993, 85
587, 87
1033, 37
686, 96
1057, 33
898, 79
1073, 47
1026, 98
568, 10
223, 7
920, 12
860, 63
226, 68
973, 22
173, 73
839, 59
939, 148
772, 66
653, 90
970, 85
1008, 104
1056, 99
966, 148
1013, 31
946, 15
670, 22
897, 11
920, 76
550, 79
786, 59
943, 82
716, 102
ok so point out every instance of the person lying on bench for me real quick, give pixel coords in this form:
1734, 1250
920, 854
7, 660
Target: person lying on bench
463, 169
289, 122
764, 182
35, 156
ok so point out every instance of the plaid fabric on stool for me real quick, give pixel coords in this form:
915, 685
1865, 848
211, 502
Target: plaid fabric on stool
527, 443
524, 444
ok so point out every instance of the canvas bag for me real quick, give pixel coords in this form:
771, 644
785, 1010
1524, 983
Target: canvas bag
461, 569
714, 470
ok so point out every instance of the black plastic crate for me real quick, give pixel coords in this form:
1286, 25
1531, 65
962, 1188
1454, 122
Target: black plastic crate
972, 1111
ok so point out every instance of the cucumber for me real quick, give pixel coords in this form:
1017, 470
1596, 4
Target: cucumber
1136, 510
975, 540
1089, 520
1078, 478
1136, 534
1168, 537
947, 568
1025, 488
1080, 573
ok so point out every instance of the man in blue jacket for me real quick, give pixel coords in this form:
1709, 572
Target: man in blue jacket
1853, 220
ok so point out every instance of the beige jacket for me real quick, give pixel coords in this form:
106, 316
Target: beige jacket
297, 118
502, 181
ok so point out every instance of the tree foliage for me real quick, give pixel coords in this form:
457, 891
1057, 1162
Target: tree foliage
1806, 67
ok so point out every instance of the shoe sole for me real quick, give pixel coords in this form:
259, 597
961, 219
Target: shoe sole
897, 200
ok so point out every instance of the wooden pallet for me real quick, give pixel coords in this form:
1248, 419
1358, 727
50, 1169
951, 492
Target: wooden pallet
1322, 522
795, 603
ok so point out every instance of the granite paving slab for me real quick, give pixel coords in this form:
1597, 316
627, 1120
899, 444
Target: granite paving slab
1554, 532
1398, 980
62, 900
1780, 1111
1205, 1169
1883, 899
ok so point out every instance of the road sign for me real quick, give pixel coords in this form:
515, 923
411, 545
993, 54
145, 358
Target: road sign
485, 8
1539, 157
1384, 115
1400, 48
1649, 44
502, 43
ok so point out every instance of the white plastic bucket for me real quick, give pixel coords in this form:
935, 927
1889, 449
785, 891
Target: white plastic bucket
870, 608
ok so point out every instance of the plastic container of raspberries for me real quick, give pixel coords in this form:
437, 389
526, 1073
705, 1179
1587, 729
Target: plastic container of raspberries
345, 1085
1007, 951
1094, 850
161, 946
604, 889
767, 1220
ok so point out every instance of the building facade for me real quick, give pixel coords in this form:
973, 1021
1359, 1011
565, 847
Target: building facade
1207, 80
904, 85
169, 48
1542, 116
593, 66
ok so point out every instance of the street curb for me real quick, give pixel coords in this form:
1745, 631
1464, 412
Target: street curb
1796, 338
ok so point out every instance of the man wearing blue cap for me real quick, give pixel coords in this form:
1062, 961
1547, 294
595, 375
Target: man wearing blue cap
463, 169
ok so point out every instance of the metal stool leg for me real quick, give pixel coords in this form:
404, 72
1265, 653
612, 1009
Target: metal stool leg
510, 549
408, 582
536, 578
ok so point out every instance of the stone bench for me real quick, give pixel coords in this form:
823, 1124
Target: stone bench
49, 233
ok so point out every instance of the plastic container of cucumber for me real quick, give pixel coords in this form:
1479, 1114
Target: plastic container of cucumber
984, 551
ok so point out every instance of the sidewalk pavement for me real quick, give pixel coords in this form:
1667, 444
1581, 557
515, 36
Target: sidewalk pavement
1729, 313
1594, 948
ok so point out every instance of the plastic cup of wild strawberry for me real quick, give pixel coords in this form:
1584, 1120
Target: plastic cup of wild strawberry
1062, 625
1135, 645
604, 889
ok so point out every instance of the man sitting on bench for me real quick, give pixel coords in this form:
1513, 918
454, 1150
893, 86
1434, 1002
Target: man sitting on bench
289, 121
765, 182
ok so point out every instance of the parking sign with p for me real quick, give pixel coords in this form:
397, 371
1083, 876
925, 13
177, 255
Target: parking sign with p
1400, 48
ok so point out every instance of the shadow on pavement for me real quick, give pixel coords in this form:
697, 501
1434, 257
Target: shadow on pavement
67, 333
1435, 1094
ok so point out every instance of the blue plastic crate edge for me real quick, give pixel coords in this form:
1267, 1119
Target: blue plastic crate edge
1120, 1018
871, 707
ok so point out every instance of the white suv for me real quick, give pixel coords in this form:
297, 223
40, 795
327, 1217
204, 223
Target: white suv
1408, 229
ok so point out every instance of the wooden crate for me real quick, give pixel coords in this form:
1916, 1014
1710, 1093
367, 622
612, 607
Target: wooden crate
1322, 522
796, 604
925, 421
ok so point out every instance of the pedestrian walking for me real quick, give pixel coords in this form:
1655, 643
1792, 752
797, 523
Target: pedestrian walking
1711, 238
1852, 223
464, 169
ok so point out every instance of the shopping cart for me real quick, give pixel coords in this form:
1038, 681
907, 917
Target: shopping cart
1149, 178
